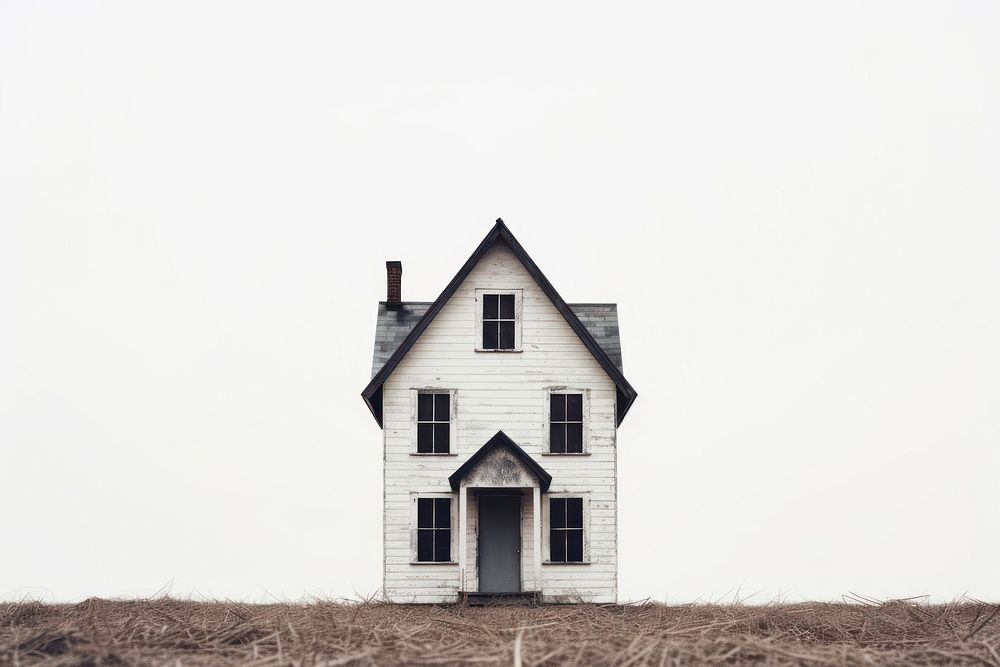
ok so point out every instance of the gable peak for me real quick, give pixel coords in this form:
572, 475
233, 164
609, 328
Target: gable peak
625, 393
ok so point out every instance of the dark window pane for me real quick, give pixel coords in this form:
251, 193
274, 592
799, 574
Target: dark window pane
490, 307
491, 336
557, 407
557, 512
425, 512
574, 546
424, 434
425, 404
574, 407
425, 545
507, 306
557, 546
506, 336
441, 407
442, 513
574, 512
442, 545
441, 435
557, 438
574, 438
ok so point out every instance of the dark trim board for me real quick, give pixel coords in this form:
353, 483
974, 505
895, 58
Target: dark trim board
626, 394
375, 405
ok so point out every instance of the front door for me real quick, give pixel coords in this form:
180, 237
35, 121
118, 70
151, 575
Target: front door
499, 544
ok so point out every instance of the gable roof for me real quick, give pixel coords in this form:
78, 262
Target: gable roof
393, 323
625, 394
501, 440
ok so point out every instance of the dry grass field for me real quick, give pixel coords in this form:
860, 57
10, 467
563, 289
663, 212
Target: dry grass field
174, 632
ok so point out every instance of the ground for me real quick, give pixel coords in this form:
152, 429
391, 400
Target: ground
174, 632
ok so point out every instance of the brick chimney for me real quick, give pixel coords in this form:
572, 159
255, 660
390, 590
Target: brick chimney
394, 283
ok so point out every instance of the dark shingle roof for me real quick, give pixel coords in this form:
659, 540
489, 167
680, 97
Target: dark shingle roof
601, 320
392, 326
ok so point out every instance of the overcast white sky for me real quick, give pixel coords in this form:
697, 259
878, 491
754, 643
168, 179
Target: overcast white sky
795, 206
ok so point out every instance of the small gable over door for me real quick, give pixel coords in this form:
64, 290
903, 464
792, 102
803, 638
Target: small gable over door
500, 463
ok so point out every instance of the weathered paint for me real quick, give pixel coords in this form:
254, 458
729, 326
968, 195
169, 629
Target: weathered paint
500, 469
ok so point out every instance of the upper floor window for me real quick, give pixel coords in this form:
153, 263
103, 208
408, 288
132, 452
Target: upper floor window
566, 423
434, 530
499, 322
566, 530
433, 423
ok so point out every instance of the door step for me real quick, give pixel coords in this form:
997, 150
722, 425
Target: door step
523, 598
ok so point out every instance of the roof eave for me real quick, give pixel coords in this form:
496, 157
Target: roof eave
624, 405
370, 402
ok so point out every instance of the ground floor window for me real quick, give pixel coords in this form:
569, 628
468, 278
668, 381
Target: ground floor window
566, 530
434, 530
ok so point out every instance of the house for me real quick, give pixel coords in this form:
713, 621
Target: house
499, 405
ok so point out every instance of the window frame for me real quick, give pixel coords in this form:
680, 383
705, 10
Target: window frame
452, 526
518, 319
414, 414
547, 528
585, 445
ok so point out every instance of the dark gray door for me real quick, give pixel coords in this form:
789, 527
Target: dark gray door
499, 544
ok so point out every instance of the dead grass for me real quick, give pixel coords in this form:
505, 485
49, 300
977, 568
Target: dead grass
175, 632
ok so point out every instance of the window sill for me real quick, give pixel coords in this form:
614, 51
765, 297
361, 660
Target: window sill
559, 562
565, 453
433, 454
479, 349
433, 562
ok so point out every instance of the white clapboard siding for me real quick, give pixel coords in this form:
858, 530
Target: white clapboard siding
500, 391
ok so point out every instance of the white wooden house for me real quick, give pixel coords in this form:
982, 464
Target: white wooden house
499, 405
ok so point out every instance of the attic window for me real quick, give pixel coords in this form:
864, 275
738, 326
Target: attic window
499, 322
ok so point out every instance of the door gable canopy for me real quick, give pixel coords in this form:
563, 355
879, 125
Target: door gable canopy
500, 463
